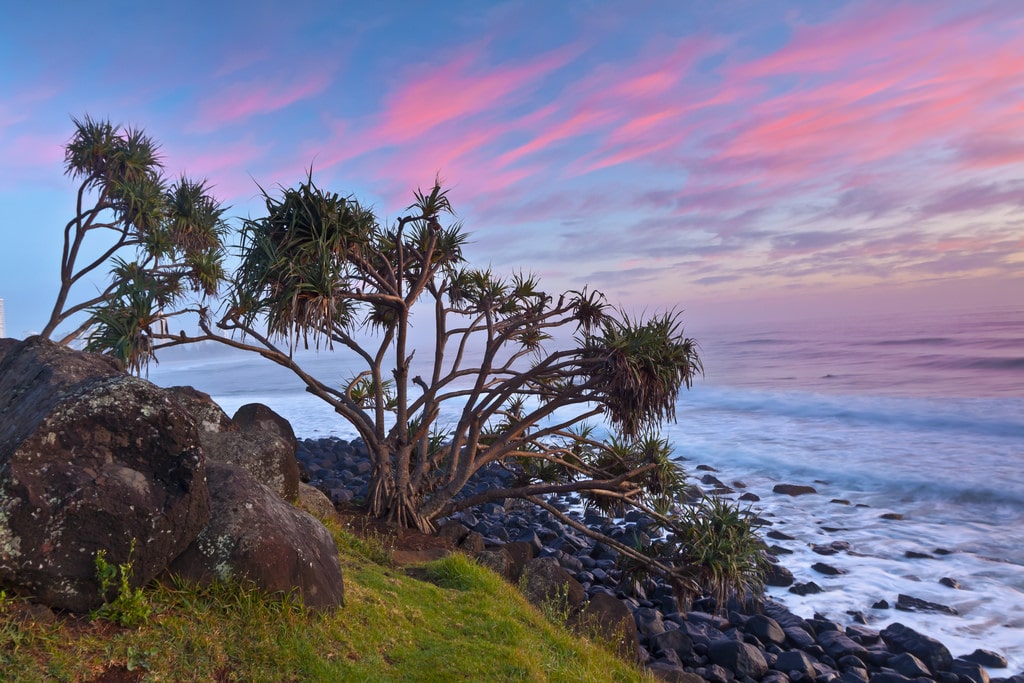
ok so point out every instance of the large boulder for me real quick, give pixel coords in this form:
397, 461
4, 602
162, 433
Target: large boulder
256, 417
209, 416
91, 459
265, 455
315, 502
254, 536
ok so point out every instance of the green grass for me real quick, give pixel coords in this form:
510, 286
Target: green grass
450, 620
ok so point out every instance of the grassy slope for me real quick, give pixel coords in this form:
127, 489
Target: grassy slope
456, 622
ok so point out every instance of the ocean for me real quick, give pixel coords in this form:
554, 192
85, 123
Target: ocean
918, 416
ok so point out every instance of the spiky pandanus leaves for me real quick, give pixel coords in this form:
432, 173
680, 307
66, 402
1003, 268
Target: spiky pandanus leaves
659, 478
103, 155
124, 167
175, 231
638, 368
195, 220
295, 261
123, 326
719, 551
180, 253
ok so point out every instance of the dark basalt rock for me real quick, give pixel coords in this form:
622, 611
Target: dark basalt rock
837, 645
611, 618
908, 603
777, 535
793, 489
269, 458
90, 459
743, 659
209, 416
256, 417
809, 588
765, 629
827, 569
987, 658
544, 580
902, 638
970, 670
779, 576
908, 665
797, 661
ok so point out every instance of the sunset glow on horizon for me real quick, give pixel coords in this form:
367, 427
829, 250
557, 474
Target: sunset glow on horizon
741, 158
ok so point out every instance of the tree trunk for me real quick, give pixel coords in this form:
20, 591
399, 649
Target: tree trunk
401, 508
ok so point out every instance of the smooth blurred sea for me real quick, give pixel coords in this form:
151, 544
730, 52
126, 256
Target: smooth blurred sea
921, 415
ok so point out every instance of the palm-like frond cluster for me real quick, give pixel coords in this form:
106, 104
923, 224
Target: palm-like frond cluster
297, 261
637, 368
176, 230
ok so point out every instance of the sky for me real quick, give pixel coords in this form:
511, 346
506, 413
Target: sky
736, 159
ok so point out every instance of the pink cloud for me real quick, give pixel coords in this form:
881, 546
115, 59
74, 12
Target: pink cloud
36, 150
243, 100
457, 91
866, 30
580, 123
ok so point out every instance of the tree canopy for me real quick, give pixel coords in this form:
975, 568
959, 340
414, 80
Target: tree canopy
534, 379
160, 240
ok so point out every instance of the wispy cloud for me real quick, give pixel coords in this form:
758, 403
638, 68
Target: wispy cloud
241, 100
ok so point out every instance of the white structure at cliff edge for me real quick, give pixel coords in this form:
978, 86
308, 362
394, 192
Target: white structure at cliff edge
2, 332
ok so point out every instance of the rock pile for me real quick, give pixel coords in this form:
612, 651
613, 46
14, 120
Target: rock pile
641, 617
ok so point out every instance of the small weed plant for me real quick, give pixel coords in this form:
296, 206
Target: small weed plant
129, 607
555, 606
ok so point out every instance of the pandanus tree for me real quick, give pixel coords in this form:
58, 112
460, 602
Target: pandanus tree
319, 269
510, 375
160, 241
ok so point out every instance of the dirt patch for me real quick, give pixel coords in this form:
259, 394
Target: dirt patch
409, 543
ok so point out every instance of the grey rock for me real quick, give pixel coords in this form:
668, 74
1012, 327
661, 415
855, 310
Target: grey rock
315, 502
543, 580
795, 660
972, 670
779, 576
793, 489
674, 639
765, 629
612, 620
837, 644
908, 665
809, 588
908, 603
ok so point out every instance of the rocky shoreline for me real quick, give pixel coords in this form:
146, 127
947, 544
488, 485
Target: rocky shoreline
771, 645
